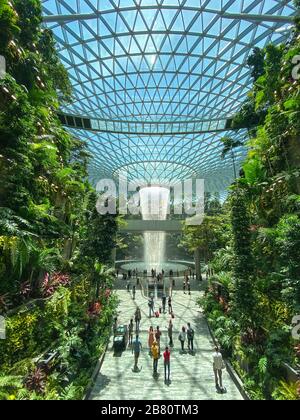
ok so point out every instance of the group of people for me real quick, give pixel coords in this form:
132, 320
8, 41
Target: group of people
133, 288
154, 346
164, 299
185, 337
187, 333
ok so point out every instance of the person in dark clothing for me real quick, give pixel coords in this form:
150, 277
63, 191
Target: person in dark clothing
170, 305
151, 306
170, 333
133, 292
190, 337
137, 318
164, 301
157, 337
130, 332
115, 325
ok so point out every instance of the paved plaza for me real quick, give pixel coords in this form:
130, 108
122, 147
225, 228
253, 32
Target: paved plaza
192, 376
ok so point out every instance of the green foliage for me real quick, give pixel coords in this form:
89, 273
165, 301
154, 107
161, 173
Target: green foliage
229, 145
21, 331
248, 117
207, 237
100, 234
256, 62
43, 170
10, 387
286, 392
48, 223
8, 24
244, 298
253, 171
288, 241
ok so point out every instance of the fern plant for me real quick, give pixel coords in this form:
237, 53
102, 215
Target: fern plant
72, 392
10, 386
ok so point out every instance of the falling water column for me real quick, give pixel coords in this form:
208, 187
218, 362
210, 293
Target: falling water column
155, 206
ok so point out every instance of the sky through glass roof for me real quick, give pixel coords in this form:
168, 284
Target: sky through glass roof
162, 62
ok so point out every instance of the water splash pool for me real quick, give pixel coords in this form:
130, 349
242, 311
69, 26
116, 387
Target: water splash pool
166, 266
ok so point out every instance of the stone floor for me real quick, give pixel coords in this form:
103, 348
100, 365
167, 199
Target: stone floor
192, 377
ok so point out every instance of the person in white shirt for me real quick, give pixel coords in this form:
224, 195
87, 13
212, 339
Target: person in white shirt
218, 365
182, 338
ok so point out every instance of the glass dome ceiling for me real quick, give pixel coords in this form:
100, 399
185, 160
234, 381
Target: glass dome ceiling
159, 78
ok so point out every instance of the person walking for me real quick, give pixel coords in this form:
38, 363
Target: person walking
189, 287
130, 332
170, 305
151, 337
133, 291
164, 301
182, 338
115, 325
128, 286
167, 362
136, 349
170, 333
184, 285
151, 306
137, 318
190, 337
155, 356
157, 337
218, 365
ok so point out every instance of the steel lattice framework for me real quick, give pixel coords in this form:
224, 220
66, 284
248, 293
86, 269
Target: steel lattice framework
162, 75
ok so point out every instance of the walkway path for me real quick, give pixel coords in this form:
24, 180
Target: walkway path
191, 375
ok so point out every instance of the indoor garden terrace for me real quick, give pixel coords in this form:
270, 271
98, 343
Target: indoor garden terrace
149, 201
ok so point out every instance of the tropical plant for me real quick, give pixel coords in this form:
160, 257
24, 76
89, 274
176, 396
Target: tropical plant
286, 391
229, 146
36, 381
103, 277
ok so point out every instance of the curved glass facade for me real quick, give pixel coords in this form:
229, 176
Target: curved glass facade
159, 79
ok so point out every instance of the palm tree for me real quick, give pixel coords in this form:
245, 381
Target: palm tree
229, 146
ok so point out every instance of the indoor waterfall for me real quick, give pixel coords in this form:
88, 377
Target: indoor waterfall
154, 203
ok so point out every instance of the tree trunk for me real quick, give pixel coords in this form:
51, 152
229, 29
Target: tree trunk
197, 258
233, 162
